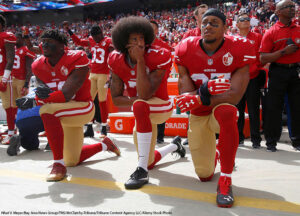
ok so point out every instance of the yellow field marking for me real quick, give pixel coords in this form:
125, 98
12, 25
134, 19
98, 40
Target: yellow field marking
267, 204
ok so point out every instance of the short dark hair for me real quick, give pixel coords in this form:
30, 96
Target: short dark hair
154, 22
56, 35
128, 25
196, 11
19, 34
95, 30
215, 12
2, 21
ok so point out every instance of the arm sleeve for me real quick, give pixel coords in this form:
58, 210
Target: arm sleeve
78, 41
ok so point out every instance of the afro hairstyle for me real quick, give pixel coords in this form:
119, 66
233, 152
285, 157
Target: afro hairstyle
127, 26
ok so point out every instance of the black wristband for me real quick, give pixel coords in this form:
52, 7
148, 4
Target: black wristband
204, 94
26, 84
70, 32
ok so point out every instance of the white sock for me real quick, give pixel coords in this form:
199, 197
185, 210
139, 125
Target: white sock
167, 149
60, 161
144, 142
225, 174
10, 132
104, 146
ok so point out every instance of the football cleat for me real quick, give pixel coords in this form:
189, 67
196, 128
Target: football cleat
57, 173
111, 146
6, 139
89, 131
180, 149
137, 179
14, 145
224, 192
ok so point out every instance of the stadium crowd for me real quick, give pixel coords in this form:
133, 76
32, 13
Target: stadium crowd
62, 103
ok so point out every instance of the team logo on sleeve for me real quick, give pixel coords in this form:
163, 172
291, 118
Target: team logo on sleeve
227, 59
64, 71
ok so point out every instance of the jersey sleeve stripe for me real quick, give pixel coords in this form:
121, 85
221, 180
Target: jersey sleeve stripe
79, 66
253, 57
9, 41
31, 55
164, 63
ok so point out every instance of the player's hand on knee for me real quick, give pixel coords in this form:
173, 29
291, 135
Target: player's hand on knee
214, 86
187, 102
3, 86
25, 103
43, 91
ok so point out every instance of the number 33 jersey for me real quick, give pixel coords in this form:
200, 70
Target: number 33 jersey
100, 53
19, 67
56, 76
234, 53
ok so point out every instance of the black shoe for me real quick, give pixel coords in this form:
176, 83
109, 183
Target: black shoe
224, 192
137, 179
241, 143
103, 130
271, 148
160, 141
256, 145
48, 148
89, 131
180, 149
14, 145
186, 142
297, 148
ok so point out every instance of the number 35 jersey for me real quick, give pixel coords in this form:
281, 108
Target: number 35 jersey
56, 76
154, 59
234, 53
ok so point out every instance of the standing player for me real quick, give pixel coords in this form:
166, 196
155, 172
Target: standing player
198, 13
212, 101
21, 74
100, 47
7, 54
66, 103
143, 70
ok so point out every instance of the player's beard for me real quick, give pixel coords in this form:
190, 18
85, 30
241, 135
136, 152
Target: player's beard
210, 41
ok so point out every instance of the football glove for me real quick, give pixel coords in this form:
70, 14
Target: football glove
187, 102
25, 103
43, 91
3, 86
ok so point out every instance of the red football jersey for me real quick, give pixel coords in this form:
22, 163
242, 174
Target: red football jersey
235, 53
19, 67
193, 32
255, 40
99, 51
5, 37
160, 43
56, 76
154, 58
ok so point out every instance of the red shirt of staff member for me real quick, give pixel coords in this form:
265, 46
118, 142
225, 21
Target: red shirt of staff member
280, 47
198, 13
252, 95
100, 47
212, 101
7, 55
64, 93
